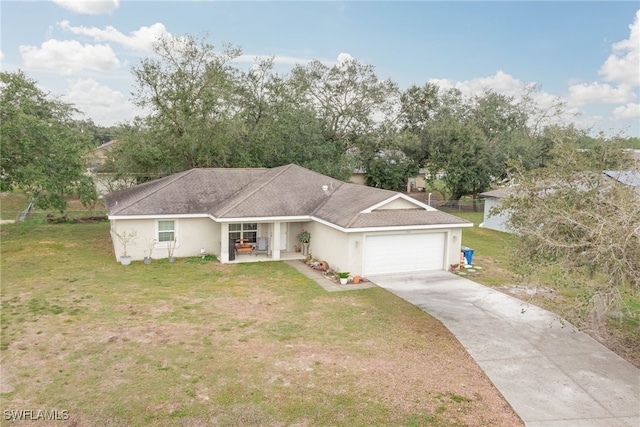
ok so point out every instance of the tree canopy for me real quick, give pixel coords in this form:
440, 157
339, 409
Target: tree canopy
571, 216
203, 110
42, 146
472, 142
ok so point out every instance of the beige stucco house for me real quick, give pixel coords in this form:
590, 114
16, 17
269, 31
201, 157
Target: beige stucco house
97, 157
354, 228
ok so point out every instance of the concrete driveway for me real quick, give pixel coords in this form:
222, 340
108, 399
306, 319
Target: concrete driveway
550, 373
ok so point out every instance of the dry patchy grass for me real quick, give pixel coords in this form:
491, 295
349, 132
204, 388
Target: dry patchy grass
199, 344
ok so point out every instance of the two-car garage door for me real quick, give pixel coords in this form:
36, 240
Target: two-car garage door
401, 253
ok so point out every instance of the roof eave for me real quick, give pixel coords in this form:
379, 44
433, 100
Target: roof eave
158, 216
393, 227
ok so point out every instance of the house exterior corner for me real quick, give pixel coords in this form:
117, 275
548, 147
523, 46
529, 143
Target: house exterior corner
191, 235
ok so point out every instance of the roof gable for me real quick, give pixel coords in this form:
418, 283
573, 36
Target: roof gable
283, 191
399, 201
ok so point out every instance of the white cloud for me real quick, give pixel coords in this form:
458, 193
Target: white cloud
291, 60
500, 82
344, 57
89, 7
277, 59
102, 104
596, 93
622, 65
139, 40
69, 56
629, 111
507, 85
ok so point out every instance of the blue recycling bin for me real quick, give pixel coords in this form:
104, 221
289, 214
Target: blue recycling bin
468, 254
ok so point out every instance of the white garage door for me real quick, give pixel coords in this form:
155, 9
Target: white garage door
401, 253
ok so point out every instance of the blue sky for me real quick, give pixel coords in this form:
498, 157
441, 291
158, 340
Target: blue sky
586, 53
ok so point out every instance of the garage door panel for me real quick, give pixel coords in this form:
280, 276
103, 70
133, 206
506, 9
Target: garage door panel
400, 253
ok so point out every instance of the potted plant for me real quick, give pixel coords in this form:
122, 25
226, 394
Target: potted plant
454, 267
125, 238
304, 237
343, 276
171, 247
147, 253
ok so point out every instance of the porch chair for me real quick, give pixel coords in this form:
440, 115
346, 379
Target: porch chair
262, 245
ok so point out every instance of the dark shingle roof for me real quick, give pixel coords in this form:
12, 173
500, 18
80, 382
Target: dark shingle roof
499, 193
408, 217
190, 192
630, 177
254, 193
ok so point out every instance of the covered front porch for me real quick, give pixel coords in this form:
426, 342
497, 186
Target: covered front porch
245, 241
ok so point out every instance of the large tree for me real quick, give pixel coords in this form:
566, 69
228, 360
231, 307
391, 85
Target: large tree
189, 91
389, 169
571, 217
279, 127
204, 112
457, 147
42, 146
471, 142
348, 97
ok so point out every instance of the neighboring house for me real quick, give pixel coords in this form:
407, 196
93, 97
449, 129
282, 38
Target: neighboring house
354, 228
358, 177
493, 199
97, 157
104, 179
419, 182
416, 183
630, 178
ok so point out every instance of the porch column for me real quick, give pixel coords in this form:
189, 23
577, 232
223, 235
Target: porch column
275, 253
224, 242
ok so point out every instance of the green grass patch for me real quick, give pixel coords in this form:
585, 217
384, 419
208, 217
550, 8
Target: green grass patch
491, 251
11, 204
198, 342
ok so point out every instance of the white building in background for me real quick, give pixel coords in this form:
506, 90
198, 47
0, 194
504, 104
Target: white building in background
493, 199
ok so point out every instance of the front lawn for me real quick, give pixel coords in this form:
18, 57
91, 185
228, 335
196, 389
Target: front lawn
200, 343
491, 251
13, 203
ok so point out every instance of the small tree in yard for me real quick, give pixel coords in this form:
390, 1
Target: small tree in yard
125, 238
572, 219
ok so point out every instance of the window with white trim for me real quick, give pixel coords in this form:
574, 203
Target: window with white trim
247, 231
166, 231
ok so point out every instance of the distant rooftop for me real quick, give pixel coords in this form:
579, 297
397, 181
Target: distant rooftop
631, 178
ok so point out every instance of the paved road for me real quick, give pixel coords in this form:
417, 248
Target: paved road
551, 374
